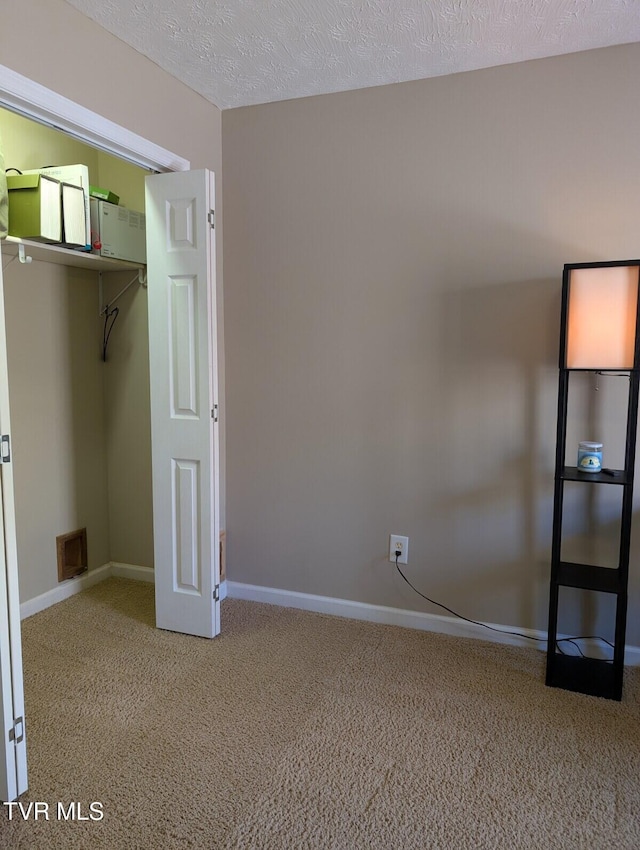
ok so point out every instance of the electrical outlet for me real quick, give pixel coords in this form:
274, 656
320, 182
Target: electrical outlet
398, 544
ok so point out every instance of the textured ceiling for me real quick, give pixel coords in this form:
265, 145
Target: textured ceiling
240, 52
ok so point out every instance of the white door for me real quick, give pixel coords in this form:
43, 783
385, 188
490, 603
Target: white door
13, 745
183, 375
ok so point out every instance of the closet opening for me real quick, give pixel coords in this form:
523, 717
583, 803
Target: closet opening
78, 383
54, 327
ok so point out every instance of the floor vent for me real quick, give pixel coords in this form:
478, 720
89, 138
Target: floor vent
72, 554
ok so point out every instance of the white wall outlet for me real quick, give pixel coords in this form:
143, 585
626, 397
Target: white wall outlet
398, 544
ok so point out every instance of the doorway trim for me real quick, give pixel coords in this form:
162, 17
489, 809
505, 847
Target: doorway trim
32, 100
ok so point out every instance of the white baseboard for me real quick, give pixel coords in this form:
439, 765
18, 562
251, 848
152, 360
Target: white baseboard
132, 571
75, 585
320, 605
632, 656
64, 591
401, 617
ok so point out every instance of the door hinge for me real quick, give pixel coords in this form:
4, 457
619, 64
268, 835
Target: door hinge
214, 413
14, 736
211, 218
216, 593
5, 448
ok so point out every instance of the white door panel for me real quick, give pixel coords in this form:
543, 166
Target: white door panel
183, 372
13, 745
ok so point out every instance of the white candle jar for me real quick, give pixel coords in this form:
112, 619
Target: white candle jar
589, 456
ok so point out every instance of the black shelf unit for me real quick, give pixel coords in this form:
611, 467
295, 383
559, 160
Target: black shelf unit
593, 676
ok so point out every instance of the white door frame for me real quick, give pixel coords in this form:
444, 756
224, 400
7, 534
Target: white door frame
34, 101
13, 749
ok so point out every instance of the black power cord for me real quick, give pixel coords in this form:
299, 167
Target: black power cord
571, 640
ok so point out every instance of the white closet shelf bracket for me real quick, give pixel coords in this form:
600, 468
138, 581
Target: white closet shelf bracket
141, 278
22, 255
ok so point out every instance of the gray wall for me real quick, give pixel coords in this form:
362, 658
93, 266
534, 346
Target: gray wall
57, 417
393, 261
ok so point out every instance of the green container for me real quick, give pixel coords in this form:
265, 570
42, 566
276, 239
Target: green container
35, 207
104, 195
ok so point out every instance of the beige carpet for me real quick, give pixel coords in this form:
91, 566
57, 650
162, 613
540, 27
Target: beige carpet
295, 730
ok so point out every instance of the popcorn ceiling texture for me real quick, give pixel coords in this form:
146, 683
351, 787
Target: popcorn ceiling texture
241, 52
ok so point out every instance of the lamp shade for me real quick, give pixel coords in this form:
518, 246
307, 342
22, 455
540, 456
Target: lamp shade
602, 314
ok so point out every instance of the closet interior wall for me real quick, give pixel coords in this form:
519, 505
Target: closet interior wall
80, 426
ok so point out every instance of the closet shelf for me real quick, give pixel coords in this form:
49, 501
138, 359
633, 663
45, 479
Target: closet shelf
65, 256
